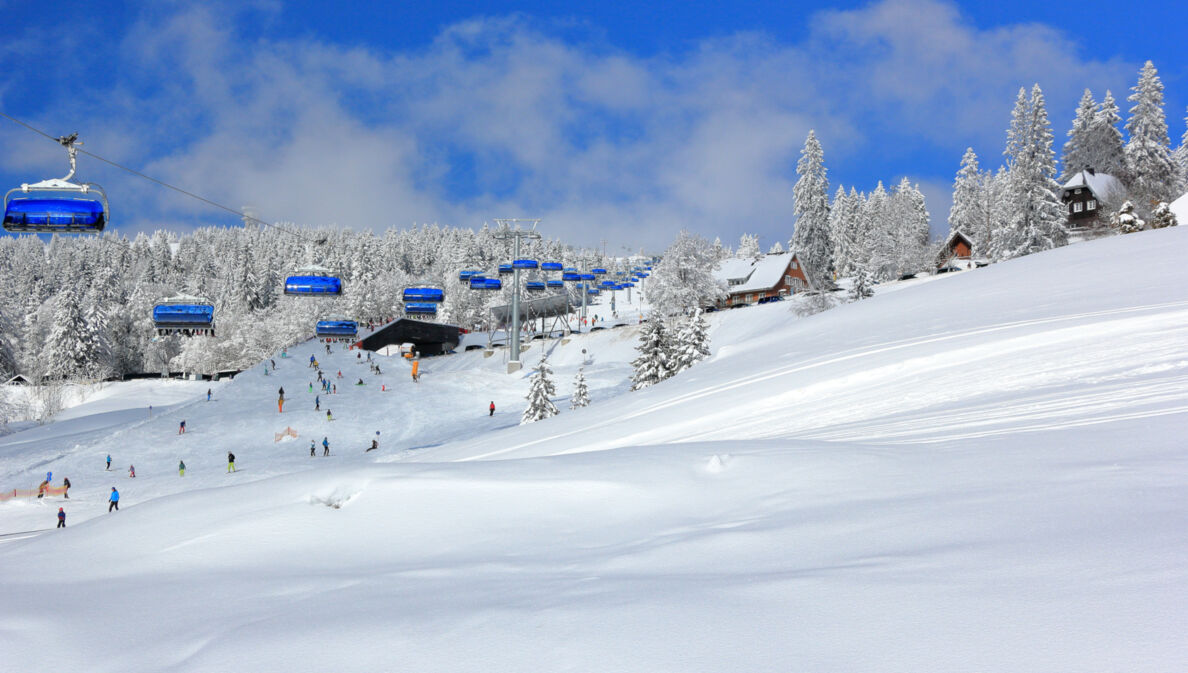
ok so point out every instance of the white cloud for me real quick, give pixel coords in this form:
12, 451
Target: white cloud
497, 117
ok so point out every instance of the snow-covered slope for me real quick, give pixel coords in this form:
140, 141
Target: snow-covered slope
983, 471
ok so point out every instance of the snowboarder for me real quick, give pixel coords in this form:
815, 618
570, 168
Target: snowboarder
181, 429
360, 383
132, 471
66, 484
317, 403
492, 408
230, 462
325, 446
374, 446
114, 500
312, 448
181, 468
41, 490
208, 394
61, 518
108, 461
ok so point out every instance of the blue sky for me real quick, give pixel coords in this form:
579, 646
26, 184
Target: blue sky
616, 121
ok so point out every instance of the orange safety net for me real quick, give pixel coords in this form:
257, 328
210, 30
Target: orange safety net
287, 432
30, 492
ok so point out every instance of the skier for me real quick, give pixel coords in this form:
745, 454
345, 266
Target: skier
132, 471
311, 386
273, 364
340, 373
181, 429
317, 403
492, 408
61, 518
49, 477
329, 417
281, 392
208, 394
312, 361
114, 500
41, 490
108, 461
327, 349
66, 483
335, 389
325, 446
181, 468
230, 462
312, 447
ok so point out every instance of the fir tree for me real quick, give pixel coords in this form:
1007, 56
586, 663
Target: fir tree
653, 363
1163, 216
1126, 220
748, 247
1076, 156
581, 394
1037, 220
684, 279
65, 354
968, 212
692, 343
8, 366
861, 288
810, 239
1153, 174
540, 390
1107, 152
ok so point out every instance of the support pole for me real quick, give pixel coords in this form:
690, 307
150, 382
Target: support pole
510, 228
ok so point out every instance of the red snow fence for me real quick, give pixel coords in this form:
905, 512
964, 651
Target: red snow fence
30, 492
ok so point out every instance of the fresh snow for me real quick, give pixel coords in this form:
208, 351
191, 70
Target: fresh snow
980, 471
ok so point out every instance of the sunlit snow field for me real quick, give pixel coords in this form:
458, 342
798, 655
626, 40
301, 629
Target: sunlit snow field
983, 471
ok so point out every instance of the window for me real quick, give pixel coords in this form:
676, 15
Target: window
1078, 207
788, 280
795, 264
1077, 192
1091, 204
750, 298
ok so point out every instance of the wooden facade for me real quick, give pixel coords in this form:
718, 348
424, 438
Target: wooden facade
791, 281
1082, 203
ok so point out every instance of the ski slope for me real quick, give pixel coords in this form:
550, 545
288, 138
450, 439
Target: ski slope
978, 471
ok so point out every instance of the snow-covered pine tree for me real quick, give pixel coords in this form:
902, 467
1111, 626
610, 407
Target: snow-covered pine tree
1126, 220
842, 221
1163, 216
539, 391
810, 240
1107, 151
1153, 175
777, 248
861, 288
66, 352
581, 394
879, 235
1037, 220
1076, 157
1181, 157
748, 247
968, 212
684, 278
8, 367
653, 363
692, 342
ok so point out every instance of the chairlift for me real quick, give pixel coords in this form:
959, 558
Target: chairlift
483, 283
57, 206
423, 293
467, 274
553, 283
587, 276
184, 315
550, 266
534, 286
598, 272
338, 329
505, 269
571, 276
525, 264
420, 308
314, 281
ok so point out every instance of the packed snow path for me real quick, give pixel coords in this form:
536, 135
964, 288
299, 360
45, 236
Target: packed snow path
979, 472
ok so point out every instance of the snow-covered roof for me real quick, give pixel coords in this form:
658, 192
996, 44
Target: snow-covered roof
1102, 185
761, 274
1180, 208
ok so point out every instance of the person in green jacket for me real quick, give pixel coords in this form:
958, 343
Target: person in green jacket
181, 467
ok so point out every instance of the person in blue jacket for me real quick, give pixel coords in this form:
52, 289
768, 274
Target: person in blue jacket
61, 518
114, 500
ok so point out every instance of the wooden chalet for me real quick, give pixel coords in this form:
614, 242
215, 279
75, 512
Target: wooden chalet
956, 253
749, 280
1087, 194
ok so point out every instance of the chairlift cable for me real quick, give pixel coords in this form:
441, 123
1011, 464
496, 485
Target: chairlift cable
237, 213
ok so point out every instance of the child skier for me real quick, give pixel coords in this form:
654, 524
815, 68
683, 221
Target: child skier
181, 468
230, 462
61, 518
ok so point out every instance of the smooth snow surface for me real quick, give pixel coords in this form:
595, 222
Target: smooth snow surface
980, 471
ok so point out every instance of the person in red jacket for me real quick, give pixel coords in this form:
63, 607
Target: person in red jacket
492, 408
61, 518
